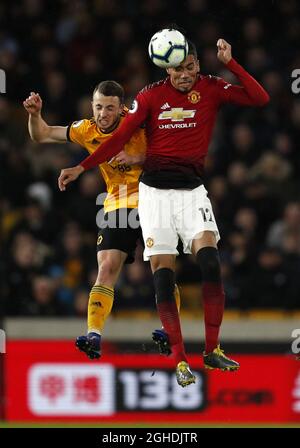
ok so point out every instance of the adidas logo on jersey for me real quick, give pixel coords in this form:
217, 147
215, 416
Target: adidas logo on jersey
165, 106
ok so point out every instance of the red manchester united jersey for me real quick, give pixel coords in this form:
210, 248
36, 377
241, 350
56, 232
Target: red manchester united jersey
179, 126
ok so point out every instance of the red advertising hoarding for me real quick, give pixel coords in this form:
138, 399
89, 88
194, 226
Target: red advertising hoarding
50, 380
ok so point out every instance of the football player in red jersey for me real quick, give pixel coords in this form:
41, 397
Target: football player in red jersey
179, 113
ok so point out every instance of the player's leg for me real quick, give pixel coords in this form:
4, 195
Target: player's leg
160, 336
110, 263
160, 237
200, 236
116, 244
164, 284
205, 250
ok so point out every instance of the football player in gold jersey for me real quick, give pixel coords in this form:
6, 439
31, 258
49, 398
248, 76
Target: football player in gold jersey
119, 230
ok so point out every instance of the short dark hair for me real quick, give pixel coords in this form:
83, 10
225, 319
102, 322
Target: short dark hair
110, 88
192, 48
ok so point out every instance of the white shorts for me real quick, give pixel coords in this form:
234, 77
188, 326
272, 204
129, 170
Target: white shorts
166, 215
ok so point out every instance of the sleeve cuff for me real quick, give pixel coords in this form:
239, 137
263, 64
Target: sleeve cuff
232, 65
68, 132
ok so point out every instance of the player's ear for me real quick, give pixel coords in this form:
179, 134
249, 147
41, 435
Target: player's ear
168, 71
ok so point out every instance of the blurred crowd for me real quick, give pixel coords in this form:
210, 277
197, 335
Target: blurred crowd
62, 49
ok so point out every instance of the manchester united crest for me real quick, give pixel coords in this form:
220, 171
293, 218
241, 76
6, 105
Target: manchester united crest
149, 242
194, 97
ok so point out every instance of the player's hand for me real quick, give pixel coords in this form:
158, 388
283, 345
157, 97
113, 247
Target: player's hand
33, 104
224, 51
134, 159
123, 157
69, 175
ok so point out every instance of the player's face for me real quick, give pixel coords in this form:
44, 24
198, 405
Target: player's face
184, 76
107, 110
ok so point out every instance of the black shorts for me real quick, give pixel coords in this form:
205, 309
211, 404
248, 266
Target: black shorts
119, 229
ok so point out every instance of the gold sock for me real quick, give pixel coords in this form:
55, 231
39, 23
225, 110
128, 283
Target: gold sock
177, 297
100, 305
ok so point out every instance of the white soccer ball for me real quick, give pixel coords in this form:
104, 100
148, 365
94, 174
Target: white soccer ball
168, 48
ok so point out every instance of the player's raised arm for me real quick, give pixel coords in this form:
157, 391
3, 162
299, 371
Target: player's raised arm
39, 130
251, 93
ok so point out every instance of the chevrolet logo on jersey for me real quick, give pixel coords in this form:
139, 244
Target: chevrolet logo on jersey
176, 114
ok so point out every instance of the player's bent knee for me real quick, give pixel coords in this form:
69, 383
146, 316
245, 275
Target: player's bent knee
164, 284
162, 261
107, 271
209, 261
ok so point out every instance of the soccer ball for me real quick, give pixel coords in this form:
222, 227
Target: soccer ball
168, 48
